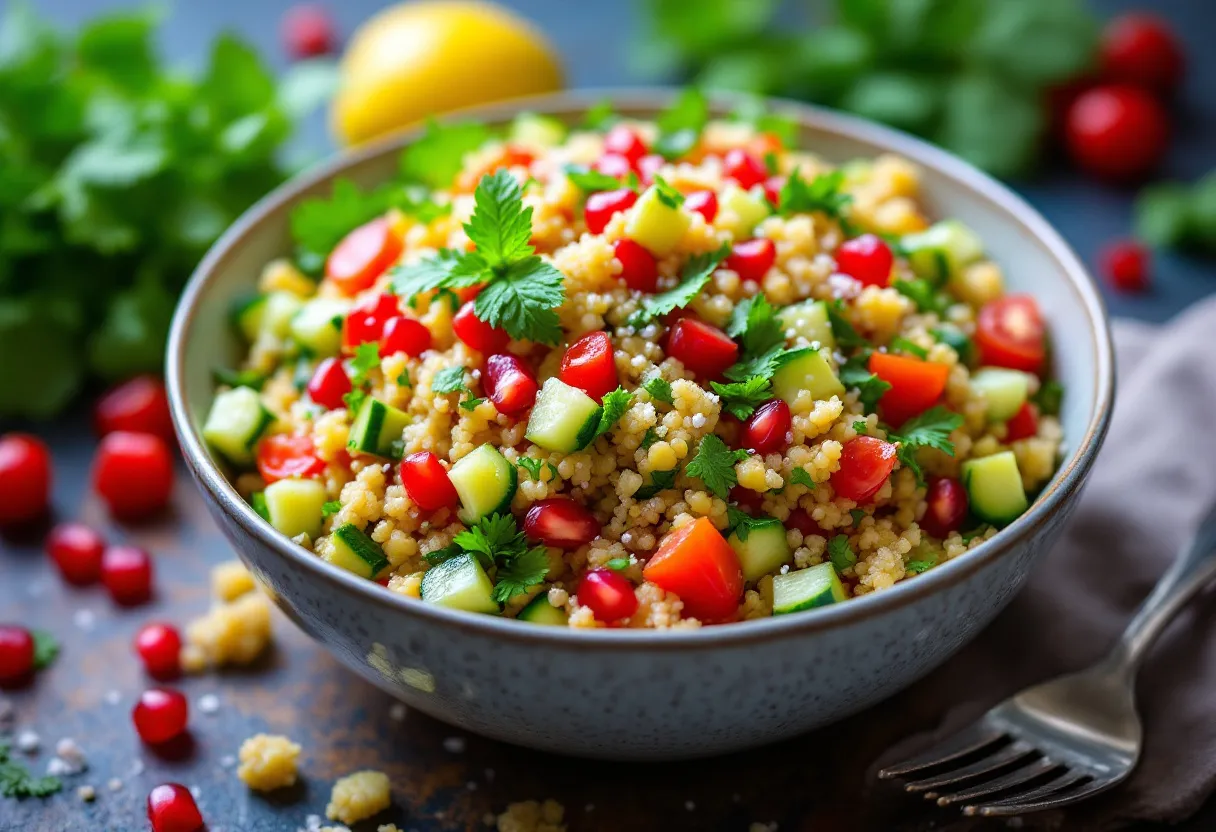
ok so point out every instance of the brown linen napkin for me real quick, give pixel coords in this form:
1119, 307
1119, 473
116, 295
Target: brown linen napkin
1153, 480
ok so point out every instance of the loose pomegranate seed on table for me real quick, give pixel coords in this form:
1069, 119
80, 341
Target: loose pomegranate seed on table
867, 259
25, 478
608, 595
126, 573
427, 483
16, 652
160, 715
704, 203
308, 32
1140, 48
510, 384
171, 808
751, 259
329, 383
624, 141
1117, 131
601, 206
133, 474
478, 334
768, 429
139, 404
639, 269
744, 168
562, 523
1126, 265
76, 550
159, 647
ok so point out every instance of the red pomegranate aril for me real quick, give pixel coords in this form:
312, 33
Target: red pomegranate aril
867, 259
801, 520
16, 652
945, 507
747, 500
704, 203
648, 167
1126, 264
160, 715
639, 269
366, 321
1117, 132
308, 32
1023, 424
407, 335
133, 474
626, 142
614, 165
510, 383
561, 523
126, 573
1140, 48
772, 189
768, 429
476, 333
171, 808
744, 168
589, 365
608, 595
704, 349
751, 259
602, 206
427, 483
76, 550
139, 404
329, 383
159, 647
25, 478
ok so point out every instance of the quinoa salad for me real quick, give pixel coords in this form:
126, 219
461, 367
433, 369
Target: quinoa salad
636, 374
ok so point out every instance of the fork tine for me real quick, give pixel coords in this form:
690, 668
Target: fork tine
1035, 771
1058, 792
975, 737
990, 764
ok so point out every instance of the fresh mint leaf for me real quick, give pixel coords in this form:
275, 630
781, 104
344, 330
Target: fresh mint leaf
714, 465
438, 156
659, 481
681, 124
754, 320
799, 476
614, 407
522, 301
449, 380
659, 389
741, 398
501, 226
693, 278
823, 193
840, 553
520, 574
367, 358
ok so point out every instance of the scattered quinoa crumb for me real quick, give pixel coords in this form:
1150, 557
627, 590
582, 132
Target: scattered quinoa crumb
229, 634
268, 762
531, 816
358, 796
230, 580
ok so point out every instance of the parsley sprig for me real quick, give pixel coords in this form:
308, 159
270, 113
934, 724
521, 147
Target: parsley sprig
497, 542
741, 398
693, 279
855, 374
451, 380
16, 780
841, 553
614, 407
823, 193
930, 429
714, 465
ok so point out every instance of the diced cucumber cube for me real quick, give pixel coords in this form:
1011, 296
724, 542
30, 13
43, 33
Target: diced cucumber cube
377, 429
485, 482
317, 327
537, 131
460, 583
235, 423
765, 550
277, 312
1004, 390
808, 320
540, 611
810, 372
994, 488
356, 552
655, 225
563, 419
942, 250
815, 586
247, 316
294, 506
740, 211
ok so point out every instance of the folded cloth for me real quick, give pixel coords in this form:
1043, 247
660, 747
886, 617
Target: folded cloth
1153, 480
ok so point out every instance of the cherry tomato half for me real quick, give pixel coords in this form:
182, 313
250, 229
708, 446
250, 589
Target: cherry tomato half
1009, 333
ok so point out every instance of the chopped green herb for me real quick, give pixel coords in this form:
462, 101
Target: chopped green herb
823, 194
471, 404
492, 537
915, 567
330, 508
1048, 397
659, 389
902, 344
741, 523
649, 438
614, 407
681, 124
753, 110
840, 553
766, 364
922, 292
589, 180
618, 564
844, 333
354, 400
755, 321
521, 573
957, 339
799, 476
531, 466
16, 780
439, 556
367, 358
714, 465
771, 163
46, 648
741, 398
403, 378
659, 481
449, 380
668, 195
239, 378
693, 278
857, 515
552, 469
855, 375
930, 429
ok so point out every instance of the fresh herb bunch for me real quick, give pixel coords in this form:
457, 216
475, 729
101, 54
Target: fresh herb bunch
117, 174
970, 75
1174, 215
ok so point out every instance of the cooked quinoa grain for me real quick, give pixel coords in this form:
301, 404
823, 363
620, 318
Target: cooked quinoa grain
531, 816
268, 762
358, 796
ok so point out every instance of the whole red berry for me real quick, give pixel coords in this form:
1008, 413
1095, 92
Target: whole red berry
159, 647
16, 652
126, 572
76, 550
1117, 132
1140, 48
160, 715
1126, 264
25, 478
133, 473
171, 808
308, 31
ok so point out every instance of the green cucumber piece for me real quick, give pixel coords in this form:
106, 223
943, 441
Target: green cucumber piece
235, 423
815, 586
741, 211
317, 327
655, 225
257, 501
294, 506
765, 550
563, 418
277, 312
994, 488
540, 611
537, 130
485, 482
377, 429
942, 250
807, 372
1004, 390
356, 552
460, 583
808, 320
247, 316
956, 338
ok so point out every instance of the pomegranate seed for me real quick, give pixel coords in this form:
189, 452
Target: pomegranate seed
1126, 264
867, 259
1141, 49
329, 383
160, 715
602, 206
614, 165
589, 365
639, 269
510, 383
1117, 132
1023, 424
744, 168
625, 142
159, 647
945, 507
25, 478
126, 572
308, 32
768, 429
366, 321
608, 595
133, 474
772, 189
139, 405
561, 523
476, 333
171, 808
76, 550
801, 520
16, 652
746, 499
427, 482
405, 335
704, 203
649, 166
751, 259
705, 350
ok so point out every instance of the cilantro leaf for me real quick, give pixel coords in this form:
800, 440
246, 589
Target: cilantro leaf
520, 574
855, 375
915, 567
799, 476
681, 124
693, 279
436, 157
840, 553
330, 508
618, 564
367, 358
767, 364
16, 780
522, 301
930, 429
589, 180
741, 398
844, 333
755, 321
501, 226
659, 481
495, 536
46, 648
648, 439
449, 380
615, 405
668, 195
912, 348
714, 465
823, 193
447, 269
531, 466
659, 389
741, 523
1049, 397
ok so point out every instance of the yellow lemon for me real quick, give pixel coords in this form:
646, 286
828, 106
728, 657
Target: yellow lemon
418, 59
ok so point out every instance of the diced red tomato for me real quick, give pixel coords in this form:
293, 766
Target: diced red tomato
427, 482
624, 141
865, 464
704, 203
366, 321
25, 478
561, 523
407, 335
751, 259
510, 383
639, 269
76, 550
329, 383
282, 456
945, 507
363, 255
916, 385
744, 168
1140, 48
608, 595
768, 429
1023, 424
602, 206
801, 520
648, 166
697, 564
171, 808
747, 500
588, 364
867, 259
133, 474
16, 653
704, 349
1009, 333
139, 404
476, 333
308, 32
772, 189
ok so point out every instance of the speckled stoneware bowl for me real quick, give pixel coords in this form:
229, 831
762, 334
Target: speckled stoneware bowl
642, 694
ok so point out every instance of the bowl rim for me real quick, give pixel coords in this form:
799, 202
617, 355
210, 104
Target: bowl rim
1064, 485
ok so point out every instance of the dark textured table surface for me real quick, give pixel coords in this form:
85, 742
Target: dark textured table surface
808, 783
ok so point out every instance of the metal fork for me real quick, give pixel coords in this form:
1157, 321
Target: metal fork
1068, 739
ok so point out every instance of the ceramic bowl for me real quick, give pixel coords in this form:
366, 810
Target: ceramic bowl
642, 694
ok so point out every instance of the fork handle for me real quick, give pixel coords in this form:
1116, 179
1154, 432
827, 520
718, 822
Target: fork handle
1193, 568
